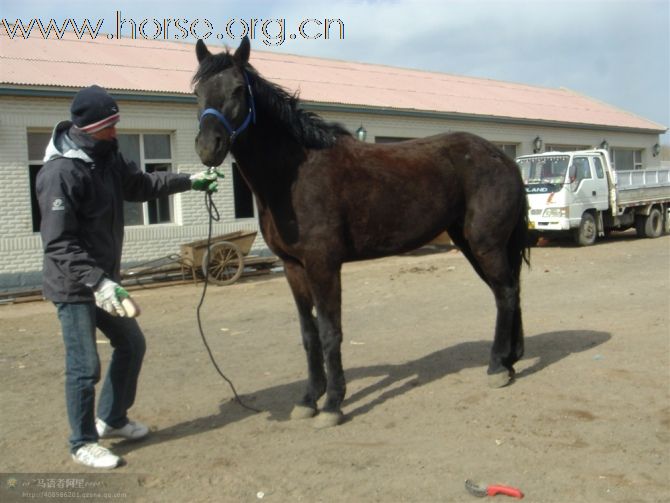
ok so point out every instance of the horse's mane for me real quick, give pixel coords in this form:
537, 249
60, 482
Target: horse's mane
307, 128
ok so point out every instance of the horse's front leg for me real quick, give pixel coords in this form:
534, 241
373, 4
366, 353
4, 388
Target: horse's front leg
316, 380
326, 290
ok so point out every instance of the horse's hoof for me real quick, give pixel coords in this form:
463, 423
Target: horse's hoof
501, 379
302, 412
327, 420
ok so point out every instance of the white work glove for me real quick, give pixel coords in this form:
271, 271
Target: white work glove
206, 180
114, 299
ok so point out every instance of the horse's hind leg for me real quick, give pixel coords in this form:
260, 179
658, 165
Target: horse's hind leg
455, 232
316, 381
507, 349
516, 350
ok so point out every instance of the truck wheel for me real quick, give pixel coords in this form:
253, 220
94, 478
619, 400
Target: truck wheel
651, 225
585, 234
640, 221
666, 222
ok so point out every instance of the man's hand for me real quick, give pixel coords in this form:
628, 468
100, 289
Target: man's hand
206, 180
114, 299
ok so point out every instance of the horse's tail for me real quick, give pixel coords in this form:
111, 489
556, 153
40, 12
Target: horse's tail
518, 246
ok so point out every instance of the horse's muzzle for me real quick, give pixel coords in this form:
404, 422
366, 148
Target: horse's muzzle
212, 147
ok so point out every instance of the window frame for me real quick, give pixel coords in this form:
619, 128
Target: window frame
504, 146
637, 158
577, 174
36, 214
36, 164
143, 161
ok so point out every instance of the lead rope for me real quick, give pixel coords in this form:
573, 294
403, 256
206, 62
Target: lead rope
214, 216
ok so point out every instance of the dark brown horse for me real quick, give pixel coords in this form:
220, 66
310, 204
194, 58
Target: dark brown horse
325, 198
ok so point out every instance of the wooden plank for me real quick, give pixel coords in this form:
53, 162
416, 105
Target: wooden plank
253, 260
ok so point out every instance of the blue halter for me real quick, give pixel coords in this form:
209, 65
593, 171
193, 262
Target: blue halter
250, 118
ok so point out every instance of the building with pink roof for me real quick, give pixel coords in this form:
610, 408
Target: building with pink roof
151, 81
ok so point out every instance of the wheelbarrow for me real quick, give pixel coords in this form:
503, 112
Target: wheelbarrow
226, 258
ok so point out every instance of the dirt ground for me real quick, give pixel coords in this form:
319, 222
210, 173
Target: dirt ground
587, 420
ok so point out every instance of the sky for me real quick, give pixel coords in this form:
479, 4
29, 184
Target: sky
616, 51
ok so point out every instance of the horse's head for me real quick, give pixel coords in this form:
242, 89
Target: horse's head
225, 103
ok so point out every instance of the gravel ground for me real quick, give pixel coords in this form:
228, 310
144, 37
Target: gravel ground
587, 420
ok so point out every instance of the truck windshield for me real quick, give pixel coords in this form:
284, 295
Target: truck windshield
544, 169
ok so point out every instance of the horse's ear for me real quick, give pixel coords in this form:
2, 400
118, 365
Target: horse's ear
201, 50
242, 52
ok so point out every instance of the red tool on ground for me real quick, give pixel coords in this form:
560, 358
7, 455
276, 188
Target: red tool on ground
481, 490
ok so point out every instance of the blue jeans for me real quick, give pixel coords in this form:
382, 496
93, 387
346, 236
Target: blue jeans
82, 368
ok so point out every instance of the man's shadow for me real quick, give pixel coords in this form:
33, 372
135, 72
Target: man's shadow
547, 348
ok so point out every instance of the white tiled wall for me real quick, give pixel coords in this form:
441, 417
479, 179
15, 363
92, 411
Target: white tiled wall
20, 248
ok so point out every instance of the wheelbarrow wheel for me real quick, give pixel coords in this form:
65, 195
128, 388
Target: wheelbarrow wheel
223, 263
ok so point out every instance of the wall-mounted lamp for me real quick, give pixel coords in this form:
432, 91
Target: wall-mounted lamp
655, 150
361, 133
604, 145
537, 144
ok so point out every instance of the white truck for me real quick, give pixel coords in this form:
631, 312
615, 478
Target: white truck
580, 193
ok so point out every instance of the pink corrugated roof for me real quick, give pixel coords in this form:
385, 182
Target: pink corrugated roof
167, 67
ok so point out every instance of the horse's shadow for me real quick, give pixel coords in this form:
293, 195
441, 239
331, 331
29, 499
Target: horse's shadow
547, 348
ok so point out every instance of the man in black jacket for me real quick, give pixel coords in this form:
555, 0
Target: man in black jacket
81, 189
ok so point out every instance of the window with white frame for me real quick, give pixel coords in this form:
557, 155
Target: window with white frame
151, 152
626, 159
508, 148
37, 144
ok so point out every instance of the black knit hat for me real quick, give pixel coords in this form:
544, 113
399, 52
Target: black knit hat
94, 109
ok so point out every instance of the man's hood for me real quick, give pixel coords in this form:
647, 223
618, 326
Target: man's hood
61, 145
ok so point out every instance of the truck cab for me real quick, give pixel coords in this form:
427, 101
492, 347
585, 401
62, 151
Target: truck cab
567, 191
